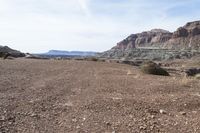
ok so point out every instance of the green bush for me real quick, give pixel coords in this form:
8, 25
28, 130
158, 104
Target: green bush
153, 68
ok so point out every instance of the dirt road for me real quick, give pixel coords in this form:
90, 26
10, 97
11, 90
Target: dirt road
52, 96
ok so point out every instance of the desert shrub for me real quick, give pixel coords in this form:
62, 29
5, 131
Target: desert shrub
102, 60
92, 59
126, 62
152, 68
79, 59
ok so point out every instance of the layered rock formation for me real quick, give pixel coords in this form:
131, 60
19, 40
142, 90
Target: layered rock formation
151, 38
186, 37
160, 43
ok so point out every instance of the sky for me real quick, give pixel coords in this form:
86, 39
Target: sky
37, 26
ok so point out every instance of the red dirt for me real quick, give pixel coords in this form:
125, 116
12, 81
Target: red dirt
51, 96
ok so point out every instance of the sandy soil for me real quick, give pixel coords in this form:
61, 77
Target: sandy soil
52, 96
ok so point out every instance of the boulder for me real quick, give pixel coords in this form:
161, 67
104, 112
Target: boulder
192, 71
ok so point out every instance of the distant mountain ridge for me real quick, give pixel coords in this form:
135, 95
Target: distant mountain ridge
71, 53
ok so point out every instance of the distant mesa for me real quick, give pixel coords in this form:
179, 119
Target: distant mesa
5, 51
69, 53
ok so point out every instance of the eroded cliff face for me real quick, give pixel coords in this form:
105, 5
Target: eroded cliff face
144, 39
186, 37
159, 44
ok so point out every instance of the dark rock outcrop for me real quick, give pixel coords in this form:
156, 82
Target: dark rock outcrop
5, 51
181, 32
192, 71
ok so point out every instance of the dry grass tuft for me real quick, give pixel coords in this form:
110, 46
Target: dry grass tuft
186, 81
129, 72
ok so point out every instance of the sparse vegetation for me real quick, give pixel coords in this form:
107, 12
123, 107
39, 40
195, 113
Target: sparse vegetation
102, 60
152, 68
79, 59
186, 81
92, 59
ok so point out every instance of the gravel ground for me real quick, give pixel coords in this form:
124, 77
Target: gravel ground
66, 96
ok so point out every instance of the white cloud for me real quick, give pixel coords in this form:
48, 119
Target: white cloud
84, 6
40, 25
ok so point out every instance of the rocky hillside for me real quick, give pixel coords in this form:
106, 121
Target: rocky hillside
14, 53
151, 38
185, 38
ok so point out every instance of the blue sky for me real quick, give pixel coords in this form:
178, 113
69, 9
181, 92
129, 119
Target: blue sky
88, 25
